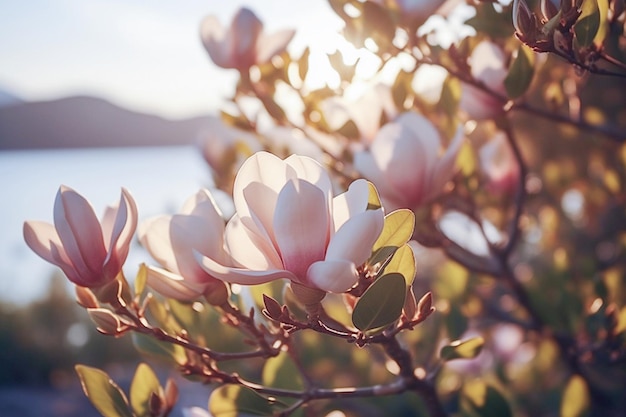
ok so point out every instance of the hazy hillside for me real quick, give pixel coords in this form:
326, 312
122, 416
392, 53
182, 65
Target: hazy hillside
90, 122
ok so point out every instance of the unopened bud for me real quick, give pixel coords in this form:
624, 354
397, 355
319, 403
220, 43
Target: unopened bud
86, 298
522, 19
425, 304
106, 322
550, 8
410, 304
171, 393
155, 404
310, 297
217, 293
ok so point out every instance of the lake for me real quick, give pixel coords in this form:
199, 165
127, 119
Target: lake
159, 178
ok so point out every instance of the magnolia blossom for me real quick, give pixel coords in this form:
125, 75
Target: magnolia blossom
488, 66
90, 253
499, 165
243, 44
365, 109
223, 146
172, 240
288, 225
405, 161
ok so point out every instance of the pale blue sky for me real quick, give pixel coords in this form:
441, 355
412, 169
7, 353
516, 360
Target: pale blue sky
142, 54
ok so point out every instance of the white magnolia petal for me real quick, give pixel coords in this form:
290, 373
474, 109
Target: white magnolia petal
241, 275
272, 44
172, 285
354, 240
351, 202
40, 236
310, 170
248, 249
333, 275
154, 235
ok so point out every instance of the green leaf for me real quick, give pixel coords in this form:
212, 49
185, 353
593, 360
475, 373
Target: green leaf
158, 349
144, 383
141, 278
481, 400
588, 23
520, 73
397, 230
373, 199
403, 262
381, 304
281, 372
103, 393
488, 21
232, 400
467, 349
576, 399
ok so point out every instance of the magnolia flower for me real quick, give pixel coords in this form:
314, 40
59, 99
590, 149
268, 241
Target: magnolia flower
172, 240
499, 165
90, 253
225, 148
488, 66
243, 44
365, 109
405, 162
288, 225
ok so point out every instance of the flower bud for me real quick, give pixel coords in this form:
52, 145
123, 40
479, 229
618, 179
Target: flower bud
310, 297
217, 293
106, 321
550, 8
86, 298
522, 19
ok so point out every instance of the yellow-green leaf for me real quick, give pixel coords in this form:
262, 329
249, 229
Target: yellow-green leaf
381, 304
466, 349
588, 23
103, 393
576, 400
373, 200
397, 230
403, 262
481, 400
520, 73
141, 278
281, 372
158, 349
145, 382
234, 400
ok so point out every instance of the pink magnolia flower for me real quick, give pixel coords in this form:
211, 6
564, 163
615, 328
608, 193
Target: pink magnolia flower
287, 225
172, 240
405, 161
90, 253
243, 44
488, 66
499, 165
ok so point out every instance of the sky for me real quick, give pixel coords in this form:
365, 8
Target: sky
145, 55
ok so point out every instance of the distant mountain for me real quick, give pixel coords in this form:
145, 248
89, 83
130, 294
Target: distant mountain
91, 122
8, 99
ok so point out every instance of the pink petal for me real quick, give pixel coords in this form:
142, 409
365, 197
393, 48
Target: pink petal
79, 231
241, 275
333, 275
301, 223
213, 39
354, 240
40, 236
444, 170
310, 170
274, 44
122, 234
172, 285
245, 30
